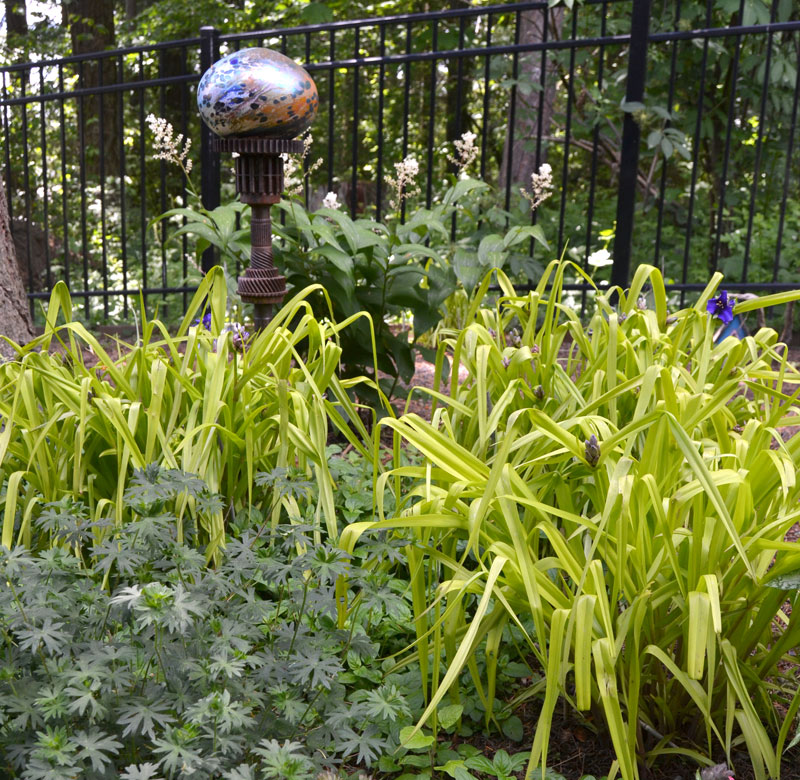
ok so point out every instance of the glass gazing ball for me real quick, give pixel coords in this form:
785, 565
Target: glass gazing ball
257, 92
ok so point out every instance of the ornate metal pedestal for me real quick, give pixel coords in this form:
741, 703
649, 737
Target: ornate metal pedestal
259, 183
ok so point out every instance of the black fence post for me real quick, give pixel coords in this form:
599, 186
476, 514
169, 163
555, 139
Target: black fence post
209, 159
629, 154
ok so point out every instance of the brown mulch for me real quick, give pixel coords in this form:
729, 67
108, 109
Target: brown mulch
577, 749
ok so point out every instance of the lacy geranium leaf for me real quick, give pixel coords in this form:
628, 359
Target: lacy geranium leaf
146, 771
48, 634
142, 717
367, 746
320, 671
95, 747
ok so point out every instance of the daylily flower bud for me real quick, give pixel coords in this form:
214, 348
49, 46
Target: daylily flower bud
592, 450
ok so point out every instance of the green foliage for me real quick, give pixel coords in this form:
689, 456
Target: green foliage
172, 669
382, 269
200, 401
617, 497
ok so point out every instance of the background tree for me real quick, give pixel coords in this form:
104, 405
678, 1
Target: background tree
531, 99
15, 318
91, 29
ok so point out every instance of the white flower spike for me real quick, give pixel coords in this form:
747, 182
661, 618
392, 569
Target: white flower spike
600, 259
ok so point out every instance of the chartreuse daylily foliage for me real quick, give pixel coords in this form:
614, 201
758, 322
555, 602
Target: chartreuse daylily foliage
189, 402
645, 568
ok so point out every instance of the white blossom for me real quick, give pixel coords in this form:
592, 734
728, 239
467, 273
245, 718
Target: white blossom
293, 173
331, 201
404, 183
541, 186
600, 258
167, 145
466, 151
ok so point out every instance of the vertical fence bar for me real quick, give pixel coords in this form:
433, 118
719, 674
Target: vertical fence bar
307, 159
122, 204
629, 154
209, 160
406, 101
102, 163
727, 153
595, 150
512, 111
331, 124
354, 150
82, 165
787, 172
540, 110
143, 181
381, 90
485, 114
663, 182
7, 144
762, 116
459, 108
431, 118
64, 186
567, 132
26, 182
45, 179
701, 92
184, 184
162, 177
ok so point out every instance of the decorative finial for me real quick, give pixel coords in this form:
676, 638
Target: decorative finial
256, 101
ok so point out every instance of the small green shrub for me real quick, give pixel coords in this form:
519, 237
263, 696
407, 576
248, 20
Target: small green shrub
620, 494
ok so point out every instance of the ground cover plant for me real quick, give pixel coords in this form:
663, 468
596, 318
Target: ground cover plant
210, 400
614, 499
149, 663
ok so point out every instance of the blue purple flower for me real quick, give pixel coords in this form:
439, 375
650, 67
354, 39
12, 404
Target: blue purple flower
721, 307
205, 321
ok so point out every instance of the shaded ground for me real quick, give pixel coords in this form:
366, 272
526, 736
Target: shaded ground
577, 750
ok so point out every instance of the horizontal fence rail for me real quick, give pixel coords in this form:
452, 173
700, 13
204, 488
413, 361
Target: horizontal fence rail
671, 141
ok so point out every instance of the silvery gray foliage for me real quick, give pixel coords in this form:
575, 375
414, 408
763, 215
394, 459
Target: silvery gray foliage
135, 659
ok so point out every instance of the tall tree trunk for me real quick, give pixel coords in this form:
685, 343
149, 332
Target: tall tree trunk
530, 101
459, 87
91, 29
16, 30
16, 17
15, 318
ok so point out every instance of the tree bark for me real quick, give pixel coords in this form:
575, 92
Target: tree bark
530, 100
458, 92
91, 29
16, 17
15, 317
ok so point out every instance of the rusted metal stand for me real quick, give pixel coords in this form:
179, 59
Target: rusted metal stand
259, 183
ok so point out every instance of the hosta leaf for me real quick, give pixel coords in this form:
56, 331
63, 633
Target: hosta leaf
448, 716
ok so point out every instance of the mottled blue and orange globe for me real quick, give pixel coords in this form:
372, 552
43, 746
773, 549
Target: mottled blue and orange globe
257, 92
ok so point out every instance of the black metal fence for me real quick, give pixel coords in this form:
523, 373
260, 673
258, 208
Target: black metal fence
670, 130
